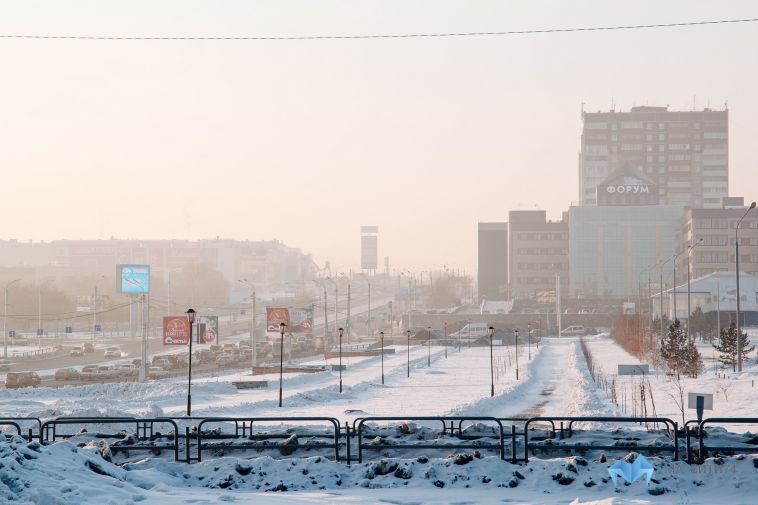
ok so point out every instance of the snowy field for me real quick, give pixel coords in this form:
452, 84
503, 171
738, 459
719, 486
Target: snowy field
555, 381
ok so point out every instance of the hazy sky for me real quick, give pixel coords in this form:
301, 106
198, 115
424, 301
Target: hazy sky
307, 140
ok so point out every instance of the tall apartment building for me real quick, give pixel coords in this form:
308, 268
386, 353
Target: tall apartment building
716, 252
493, 261
685, 153
537, 251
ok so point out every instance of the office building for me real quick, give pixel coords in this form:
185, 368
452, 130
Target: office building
493, 261
538, 250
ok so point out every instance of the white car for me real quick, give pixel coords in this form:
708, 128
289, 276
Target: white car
156, 372
112, 352
574, 331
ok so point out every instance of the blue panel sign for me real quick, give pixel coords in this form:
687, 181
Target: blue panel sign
39, 332
11, 333
134, 279
98, 327
68, 329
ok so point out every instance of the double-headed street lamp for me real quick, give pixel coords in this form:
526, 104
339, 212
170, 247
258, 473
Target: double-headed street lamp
191, 320
341, 332
282, 327
689, 257
381, 335
408, 334
491, 332
737, 273
515, 332
5, 318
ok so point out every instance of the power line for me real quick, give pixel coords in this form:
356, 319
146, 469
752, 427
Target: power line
379, 36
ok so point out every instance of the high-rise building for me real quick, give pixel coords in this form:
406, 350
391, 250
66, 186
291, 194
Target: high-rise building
537, 252
685, 153
493, 261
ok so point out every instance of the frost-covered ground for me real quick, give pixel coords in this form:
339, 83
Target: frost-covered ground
554, 382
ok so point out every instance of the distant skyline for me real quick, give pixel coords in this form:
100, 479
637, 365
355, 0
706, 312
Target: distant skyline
305, 141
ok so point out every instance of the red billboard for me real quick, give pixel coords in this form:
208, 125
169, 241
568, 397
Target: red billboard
176, 330
276, 316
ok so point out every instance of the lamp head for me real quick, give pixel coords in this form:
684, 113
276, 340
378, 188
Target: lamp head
490, 331
342, 331
408, 332
752, 205
282, 326
190, 316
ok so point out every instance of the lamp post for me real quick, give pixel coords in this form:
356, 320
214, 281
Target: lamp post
737, 273
515, 332
191, 320
39, 312
94, 312
5, 318
341, 332
408, 334
445, 326
490, 332
429, 346
252, 325
676, 256
689, 256
662, 265
529, 338
381, 335
282, 327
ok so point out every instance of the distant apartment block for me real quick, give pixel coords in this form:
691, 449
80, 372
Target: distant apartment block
493, 261
538, 250
686, 154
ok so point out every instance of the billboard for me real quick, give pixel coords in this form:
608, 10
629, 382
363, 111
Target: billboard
133, 279
275, 316
207, 330
301, 320
176, 330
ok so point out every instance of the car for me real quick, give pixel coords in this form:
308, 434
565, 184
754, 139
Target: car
67, 374
262, 348
88, 372
156, 372
106, 372
574, 331
5, 365
112, 352
204, 356
76, 351
88, 348
14, 380
226, 359
162, 362
126, 370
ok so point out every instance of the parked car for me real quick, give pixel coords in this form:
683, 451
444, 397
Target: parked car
76, 351
226, 359
112, 352
126, 370
204, 356
156, 372
162, 362
14, 380
67, 374
574, 331
88, 348
5, 365
88, 372
106, 372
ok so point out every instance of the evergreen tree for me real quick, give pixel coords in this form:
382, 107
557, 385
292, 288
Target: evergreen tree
679, 353
727, 346
698, 322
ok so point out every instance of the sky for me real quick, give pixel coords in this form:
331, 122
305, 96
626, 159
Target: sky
305, 141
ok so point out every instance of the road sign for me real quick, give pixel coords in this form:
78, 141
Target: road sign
68, 329
39, 332
12, 333
98, 327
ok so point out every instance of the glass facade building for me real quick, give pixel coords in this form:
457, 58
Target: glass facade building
612, 248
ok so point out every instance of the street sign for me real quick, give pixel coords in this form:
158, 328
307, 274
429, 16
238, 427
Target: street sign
641, 369
39, 332
12, 333
707, 400
98, 327
68, 329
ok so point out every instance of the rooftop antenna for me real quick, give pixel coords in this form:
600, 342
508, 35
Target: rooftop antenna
613, 104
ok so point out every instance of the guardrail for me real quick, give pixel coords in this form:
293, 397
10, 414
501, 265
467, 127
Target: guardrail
247, 426
626, 420
703, 450
500, 447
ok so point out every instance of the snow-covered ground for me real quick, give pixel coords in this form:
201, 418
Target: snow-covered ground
555, 381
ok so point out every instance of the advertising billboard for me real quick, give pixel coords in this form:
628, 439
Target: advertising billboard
301, 320
134, 279
275, 316
207, 330
176, 330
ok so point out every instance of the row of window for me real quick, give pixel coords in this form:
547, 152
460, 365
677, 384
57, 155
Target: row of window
545, 251
542, 236
637, 125
719, 223
541, 266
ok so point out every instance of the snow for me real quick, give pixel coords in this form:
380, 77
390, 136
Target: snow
555, 381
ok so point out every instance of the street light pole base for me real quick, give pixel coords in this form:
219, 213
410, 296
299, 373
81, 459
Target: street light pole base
492, 391
189, 405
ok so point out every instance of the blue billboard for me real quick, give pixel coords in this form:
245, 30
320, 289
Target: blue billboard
135, 279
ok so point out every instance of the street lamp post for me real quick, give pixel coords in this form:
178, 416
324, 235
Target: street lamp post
341, 332
515, 332
676, 256
381, 335
428, 346
191, 320
661, 289
253, 343
445, 325
737, 273
408, 334
529, 338
5, 318
689, 256
282, 327
491, 332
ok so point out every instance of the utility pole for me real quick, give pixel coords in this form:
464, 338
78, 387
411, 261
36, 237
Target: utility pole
347, 321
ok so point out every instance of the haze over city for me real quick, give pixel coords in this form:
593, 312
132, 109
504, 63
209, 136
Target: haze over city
307, 140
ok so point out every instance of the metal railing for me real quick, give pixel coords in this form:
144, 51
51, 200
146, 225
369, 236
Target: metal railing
701, 435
